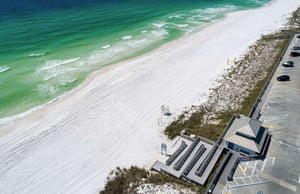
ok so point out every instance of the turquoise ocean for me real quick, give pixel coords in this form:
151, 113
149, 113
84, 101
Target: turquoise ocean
49, 47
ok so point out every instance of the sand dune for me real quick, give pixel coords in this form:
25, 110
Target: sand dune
72, 144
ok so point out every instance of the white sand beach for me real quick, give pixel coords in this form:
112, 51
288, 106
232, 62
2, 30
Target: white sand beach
71, 144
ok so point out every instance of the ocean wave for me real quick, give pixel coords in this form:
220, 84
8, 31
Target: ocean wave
126, 46
106, 46
4, 69
55, 63
105, 56
199, 19
57, 72
37, 54
177, 16
136, 43
46, 89
216, 10
65, 82
127, 37
182, 25
158, 33
221, 9
159, 25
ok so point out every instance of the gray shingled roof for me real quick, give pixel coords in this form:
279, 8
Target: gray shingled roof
246, 130
250, 127
244, 142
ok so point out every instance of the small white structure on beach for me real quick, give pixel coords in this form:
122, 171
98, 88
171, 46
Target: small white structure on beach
246, 135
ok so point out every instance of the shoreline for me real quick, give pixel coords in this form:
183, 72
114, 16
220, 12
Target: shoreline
80, 124
106, 68
11, 118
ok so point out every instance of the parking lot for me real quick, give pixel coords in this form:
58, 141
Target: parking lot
280, 112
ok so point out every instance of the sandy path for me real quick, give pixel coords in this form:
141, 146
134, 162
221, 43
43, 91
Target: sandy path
73, 143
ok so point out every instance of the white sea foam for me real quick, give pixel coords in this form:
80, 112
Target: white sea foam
176, 16
127, 37
37, 54
182, 25
105, 56
158, 33
137, 43
57, 72
144, 31
159, 25
117, 49
224, 9
41, 88
11, 119
67, 81
46, 89
106, 46
55, 63
197, 19
4, 68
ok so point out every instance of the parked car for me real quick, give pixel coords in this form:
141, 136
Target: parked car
283, 78
296, 48
288, 64
294, 54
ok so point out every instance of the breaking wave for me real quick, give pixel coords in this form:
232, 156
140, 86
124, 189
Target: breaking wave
4, 69
127, 37
67, 81
56, 63
106, 46
46, 89
37, 54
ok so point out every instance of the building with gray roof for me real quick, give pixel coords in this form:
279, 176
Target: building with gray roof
246, 136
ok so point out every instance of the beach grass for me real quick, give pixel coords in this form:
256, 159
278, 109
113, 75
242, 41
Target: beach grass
197, 122
124, 180
127, 180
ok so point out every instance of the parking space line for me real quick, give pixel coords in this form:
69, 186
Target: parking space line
243, 171
251, 179
254, 168
245, 184
263, 166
